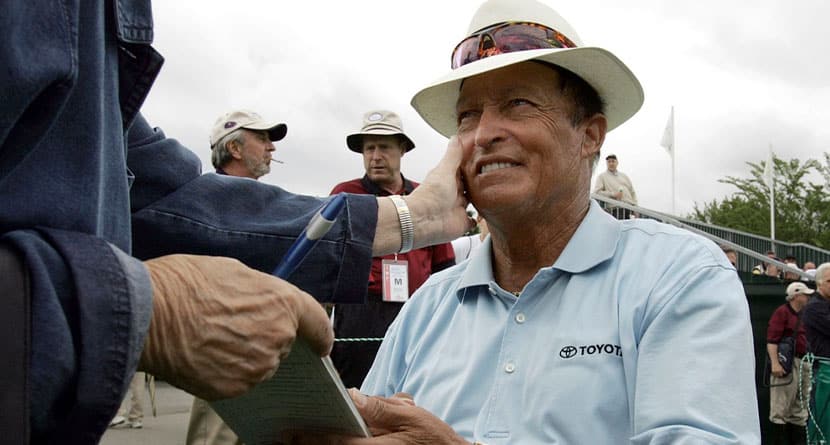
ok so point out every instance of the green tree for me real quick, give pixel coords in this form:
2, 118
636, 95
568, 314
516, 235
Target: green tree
802, 207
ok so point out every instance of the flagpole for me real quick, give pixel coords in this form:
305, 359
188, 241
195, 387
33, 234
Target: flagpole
771, 196
667, 141
772, 213
673, 152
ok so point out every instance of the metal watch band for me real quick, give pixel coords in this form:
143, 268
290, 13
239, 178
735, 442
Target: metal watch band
407, 229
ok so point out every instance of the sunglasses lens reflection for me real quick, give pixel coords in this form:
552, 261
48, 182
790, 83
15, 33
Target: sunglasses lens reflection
507, 38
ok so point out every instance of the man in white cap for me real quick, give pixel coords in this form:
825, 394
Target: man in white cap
550, 333
394, 278
789, 388
241, 143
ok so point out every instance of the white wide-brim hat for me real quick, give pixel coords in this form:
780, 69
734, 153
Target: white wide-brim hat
616, 85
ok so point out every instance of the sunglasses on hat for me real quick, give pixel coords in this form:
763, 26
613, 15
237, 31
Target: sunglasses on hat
507, 37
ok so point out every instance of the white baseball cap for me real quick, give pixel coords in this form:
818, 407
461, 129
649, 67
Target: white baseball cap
798, 288
234, 120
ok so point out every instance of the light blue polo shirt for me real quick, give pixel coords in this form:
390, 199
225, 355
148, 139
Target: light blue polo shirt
638, 333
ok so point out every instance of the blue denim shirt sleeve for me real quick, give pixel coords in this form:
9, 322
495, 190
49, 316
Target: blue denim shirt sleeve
178, 210
74, 77
140, 290
64, 200
91, 306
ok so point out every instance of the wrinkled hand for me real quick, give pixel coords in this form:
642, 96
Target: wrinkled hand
220, 327
392, 421
439, 204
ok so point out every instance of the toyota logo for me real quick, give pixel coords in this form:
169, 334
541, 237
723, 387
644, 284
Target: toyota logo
567, 352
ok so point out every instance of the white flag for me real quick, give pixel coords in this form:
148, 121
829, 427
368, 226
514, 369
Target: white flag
668, 134
768, 170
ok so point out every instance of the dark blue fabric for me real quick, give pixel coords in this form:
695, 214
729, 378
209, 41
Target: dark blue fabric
816, 319
70, 90
179, 211
63, 168
15, 321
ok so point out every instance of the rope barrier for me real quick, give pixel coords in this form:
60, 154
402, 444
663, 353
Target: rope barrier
812, 424
358, 339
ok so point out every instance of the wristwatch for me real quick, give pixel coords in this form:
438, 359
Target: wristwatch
405, 218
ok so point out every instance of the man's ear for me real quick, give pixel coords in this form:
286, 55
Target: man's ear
235, 149
594, 129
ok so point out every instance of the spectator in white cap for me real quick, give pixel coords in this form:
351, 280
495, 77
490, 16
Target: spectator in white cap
787, 388
550, 332
241, 143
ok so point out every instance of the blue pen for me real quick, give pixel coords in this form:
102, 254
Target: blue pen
316, 229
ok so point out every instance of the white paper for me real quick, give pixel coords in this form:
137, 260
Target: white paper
306, 394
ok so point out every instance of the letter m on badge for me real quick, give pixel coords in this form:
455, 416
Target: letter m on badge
395, 280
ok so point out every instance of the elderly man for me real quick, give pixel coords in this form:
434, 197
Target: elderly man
382, 143
787, 390
617, 185
816, 319
550, 333
241, 143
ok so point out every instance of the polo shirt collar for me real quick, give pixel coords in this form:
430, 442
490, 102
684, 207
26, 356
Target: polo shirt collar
376, 190
594, 242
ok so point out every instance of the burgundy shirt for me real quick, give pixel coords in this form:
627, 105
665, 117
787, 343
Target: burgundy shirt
782, 323
421, 262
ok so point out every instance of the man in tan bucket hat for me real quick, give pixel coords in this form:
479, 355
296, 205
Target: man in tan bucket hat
383, 143
566, 325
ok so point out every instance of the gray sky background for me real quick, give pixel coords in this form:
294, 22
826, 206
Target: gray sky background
742, 75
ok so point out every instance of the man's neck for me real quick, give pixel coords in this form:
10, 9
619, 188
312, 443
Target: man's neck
241, 171
521, 249
393, 186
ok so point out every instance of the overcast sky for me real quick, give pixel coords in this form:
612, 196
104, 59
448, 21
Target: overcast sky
741, 75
